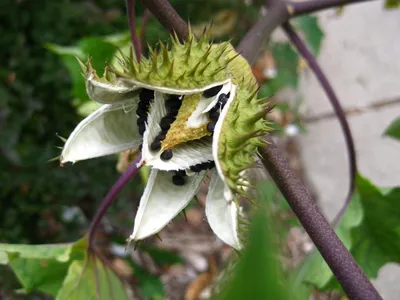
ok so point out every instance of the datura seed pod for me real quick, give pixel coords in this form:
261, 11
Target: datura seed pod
189, 108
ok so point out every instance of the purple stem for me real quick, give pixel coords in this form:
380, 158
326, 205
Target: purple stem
306, 7
130, 5
145, 20
312, 62
110, 198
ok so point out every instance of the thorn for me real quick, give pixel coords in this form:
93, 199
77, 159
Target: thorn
232, 58
206, 54
116, 72
201, 71
184, 214
175, 39
59, 147
83, 66
54, 159
240, 148
189, 49
217, 71
224, 47
124, 57
61, 138
164, 49
193, 71
170, 71
253, 94
182, 76
158, 236
154, 66
131, 55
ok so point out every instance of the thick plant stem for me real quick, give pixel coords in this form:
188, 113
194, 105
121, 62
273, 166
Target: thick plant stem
344, 267
110, 198
306, 7
168, 17
323, 80
255, 38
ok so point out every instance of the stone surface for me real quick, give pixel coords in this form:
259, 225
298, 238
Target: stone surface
360, 58
359, 55
325, 159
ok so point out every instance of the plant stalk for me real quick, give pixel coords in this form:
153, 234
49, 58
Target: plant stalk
111, 197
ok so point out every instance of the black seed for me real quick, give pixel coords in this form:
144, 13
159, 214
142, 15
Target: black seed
214, 115
155, 145
166, 155
180, 173
141, 113
161, 136
173, 104
146, 95
143, 106
165, 122
140, 121
210, 165
173, 111
211, 126
174, 97
212, 92
178, 180
196, 168
222, 99
142, 129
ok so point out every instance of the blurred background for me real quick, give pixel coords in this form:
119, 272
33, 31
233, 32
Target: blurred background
42, 98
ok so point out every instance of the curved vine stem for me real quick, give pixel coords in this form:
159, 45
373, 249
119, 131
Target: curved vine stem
111, 197
313, 64
130, 6
305, 7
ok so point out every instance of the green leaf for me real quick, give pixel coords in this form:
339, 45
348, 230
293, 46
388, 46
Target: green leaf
57, 252
258, 273
41, 267
40, 274
373, 240
394, 129
150, 285
313, 34
98, 50
286, 60
91, 279
68, 56
390, 4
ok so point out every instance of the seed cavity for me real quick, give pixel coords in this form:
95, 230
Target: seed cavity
212, 91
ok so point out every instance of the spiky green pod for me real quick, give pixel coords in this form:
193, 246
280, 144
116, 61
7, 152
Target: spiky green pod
219, 120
